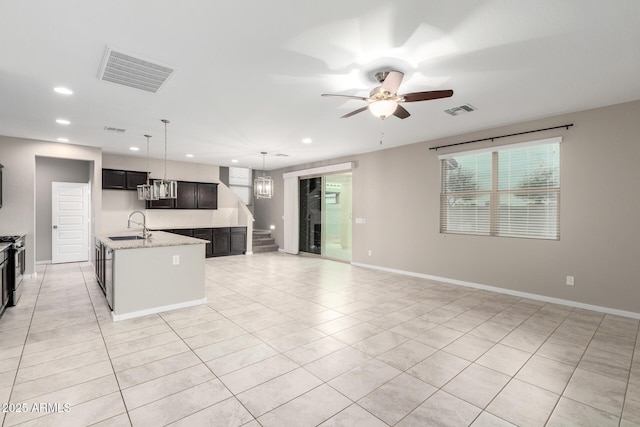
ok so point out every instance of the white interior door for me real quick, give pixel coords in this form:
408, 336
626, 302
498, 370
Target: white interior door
70, 222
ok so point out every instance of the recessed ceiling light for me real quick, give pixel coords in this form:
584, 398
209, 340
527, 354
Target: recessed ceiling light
307, 141
63, 90
189, 155
63, 122
134, 149
63, 140
234, 161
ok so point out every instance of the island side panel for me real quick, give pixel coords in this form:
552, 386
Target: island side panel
147, 278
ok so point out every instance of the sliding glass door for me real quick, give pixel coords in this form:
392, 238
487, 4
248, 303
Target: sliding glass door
311, 215
325, 216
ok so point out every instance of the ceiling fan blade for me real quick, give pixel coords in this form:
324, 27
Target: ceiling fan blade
392, 82
359, 110
426, 96
401, 112
345, 96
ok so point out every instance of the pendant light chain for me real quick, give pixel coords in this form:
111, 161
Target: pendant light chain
165, 121
148, 136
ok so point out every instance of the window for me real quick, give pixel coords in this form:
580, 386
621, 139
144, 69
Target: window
509, 191
240, 183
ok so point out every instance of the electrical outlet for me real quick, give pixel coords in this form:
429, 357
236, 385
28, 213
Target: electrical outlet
176, 259
570, 281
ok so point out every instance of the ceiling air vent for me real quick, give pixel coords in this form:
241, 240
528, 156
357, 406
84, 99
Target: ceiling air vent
112, 129
281, 155
123, 69
463, 109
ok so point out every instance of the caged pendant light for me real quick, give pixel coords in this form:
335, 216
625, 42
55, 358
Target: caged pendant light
145, 191
263, 185
165, 188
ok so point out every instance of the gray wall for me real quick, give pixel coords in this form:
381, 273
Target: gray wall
397, 191
18, 213
50, 170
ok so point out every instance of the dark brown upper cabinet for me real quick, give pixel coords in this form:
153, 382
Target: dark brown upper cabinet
116, 179
191, 195
113, 179
187, 195
133, 179
207, 196
160, 204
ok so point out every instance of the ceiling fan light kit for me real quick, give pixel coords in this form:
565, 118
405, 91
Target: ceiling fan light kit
384, 100
383, 108
165, 188
263, 185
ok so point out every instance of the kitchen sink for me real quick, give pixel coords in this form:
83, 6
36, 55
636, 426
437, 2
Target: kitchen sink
126, 238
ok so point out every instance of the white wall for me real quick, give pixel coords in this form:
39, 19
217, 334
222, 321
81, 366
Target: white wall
118, 204
397, 191
18, 213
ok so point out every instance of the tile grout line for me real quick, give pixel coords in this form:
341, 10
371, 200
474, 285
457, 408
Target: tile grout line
124, 403
626, 390
209, 368
473, 362
574, 370
35, 304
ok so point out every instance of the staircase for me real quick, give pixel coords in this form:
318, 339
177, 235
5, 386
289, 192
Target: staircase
263, 242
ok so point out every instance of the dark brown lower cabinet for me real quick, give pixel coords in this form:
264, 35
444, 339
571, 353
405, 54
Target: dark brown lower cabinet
238, 240
222, 240
205, 234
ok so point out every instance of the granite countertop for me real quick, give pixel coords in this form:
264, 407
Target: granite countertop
4, 246
157, 239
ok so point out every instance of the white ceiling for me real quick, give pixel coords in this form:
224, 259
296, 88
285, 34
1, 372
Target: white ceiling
250, 73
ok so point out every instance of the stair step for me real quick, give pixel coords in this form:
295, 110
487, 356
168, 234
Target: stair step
264, 242
265, 248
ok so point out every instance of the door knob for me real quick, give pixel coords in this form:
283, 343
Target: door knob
55, 227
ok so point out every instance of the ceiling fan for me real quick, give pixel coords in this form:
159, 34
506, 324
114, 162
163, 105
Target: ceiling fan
384, 100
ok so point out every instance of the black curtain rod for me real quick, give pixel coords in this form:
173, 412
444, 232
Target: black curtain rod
567, 126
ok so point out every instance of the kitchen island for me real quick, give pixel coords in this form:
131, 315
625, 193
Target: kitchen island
146, 276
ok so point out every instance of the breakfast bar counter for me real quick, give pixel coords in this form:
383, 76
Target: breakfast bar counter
145, 276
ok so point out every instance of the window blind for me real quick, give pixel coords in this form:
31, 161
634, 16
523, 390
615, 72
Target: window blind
508, 191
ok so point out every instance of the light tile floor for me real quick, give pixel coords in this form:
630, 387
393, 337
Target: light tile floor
297, 341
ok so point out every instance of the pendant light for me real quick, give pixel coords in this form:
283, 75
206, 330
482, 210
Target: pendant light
145, 191
263, 185
165, 188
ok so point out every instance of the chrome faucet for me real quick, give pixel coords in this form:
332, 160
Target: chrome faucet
145, 230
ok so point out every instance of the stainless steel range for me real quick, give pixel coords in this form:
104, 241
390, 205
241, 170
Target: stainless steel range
16, 266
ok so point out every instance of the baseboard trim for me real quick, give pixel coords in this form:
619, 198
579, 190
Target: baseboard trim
248, 253
536, 297
140, 313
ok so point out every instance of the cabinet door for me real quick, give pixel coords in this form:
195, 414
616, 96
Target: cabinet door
207, 196
133, 179
238, 240
187, 192
160, 204
113, 179
205, 233
221, 241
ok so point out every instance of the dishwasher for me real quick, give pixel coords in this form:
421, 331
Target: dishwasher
108, 276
